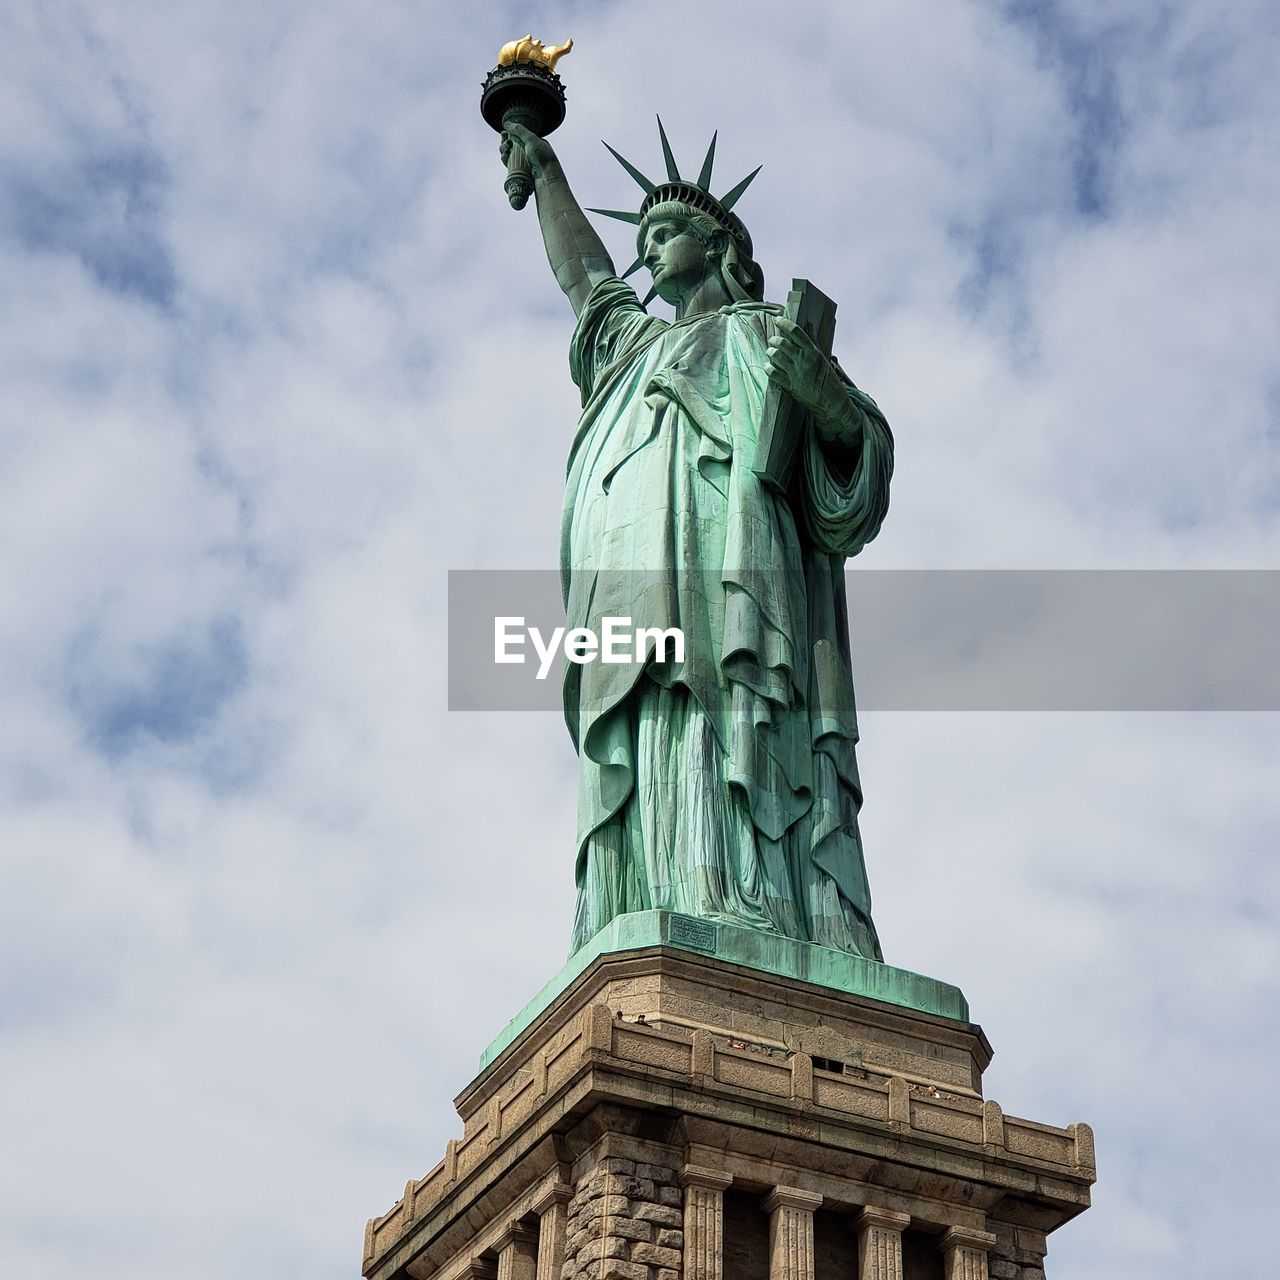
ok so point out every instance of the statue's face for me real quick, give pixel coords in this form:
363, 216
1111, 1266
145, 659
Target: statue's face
676, 259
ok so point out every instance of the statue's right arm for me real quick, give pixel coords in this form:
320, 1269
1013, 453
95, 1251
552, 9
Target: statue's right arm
576, 253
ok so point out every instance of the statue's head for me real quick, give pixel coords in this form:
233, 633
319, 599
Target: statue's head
684, 208
683, 245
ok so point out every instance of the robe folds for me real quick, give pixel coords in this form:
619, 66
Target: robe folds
724, 785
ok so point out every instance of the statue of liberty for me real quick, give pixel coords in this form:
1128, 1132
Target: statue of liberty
725, 785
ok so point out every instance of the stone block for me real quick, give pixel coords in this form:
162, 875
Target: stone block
655, 1172
585, 1229
1004, 1238
608, 1207
662, 1214
632, 1188
670, 1239
632, 1229
619, 1270
605, 1247
672, 1197
655, 1256
1003, 1269
617, 1164
1029, 1244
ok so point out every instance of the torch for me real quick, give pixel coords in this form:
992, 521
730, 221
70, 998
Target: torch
524, 89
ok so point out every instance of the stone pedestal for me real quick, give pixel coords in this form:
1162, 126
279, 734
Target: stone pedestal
676, 1116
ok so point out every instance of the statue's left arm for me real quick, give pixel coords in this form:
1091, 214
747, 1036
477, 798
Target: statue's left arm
847, 463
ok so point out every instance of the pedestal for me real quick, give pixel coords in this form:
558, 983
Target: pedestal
670, 1115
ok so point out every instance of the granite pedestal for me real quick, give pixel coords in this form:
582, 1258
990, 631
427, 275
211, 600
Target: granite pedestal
667, 1112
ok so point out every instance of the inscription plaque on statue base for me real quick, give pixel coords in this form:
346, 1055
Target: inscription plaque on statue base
675, 1116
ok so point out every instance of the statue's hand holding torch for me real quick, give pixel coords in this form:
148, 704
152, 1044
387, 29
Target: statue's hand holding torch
537, 152
523, 99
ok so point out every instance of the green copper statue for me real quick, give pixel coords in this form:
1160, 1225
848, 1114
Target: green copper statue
723, 786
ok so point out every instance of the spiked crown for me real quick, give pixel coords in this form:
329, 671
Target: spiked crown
693, 192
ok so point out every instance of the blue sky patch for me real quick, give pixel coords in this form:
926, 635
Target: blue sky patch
185, 684
104, 208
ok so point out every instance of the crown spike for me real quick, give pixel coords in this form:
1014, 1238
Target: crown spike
633, 268
704, 176
649, 297
620, 214
730, 198
673, 174
645, 185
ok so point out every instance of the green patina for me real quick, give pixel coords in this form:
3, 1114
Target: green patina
752, 949
722, 471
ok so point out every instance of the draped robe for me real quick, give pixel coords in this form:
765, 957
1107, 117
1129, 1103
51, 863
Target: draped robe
724, 785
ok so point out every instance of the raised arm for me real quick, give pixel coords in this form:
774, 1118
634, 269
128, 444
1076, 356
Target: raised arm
577, 255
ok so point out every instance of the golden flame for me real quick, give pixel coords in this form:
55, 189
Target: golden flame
527, 49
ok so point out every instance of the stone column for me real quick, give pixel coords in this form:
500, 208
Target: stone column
791, 1232
552, 1208
880, 1243
703, 1222
965, 1253
518, 1253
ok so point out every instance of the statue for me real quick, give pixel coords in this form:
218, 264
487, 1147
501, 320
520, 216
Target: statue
723, 786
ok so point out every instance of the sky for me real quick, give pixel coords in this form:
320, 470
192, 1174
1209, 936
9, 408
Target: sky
275, 356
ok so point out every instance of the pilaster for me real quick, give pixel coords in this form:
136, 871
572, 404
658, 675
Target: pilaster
791, 1232
965, 1253
518, 1253
552, 1208
704, 1190
880, 1243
